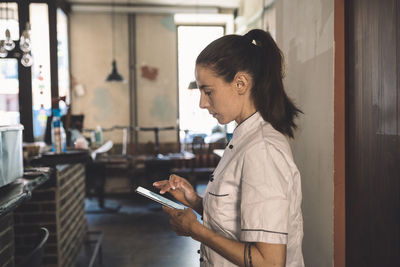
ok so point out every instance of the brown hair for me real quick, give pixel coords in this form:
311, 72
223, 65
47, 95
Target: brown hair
257, 54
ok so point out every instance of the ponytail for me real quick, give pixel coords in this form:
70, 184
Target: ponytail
257, 54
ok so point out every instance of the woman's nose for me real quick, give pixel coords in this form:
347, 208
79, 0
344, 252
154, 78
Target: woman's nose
203, 101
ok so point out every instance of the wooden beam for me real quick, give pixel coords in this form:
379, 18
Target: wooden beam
339, 136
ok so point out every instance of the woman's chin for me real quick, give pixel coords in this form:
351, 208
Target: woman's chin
221, 120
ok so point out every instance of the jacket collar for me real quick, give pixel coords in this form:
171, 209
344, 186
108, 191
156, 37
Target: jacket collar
247, 126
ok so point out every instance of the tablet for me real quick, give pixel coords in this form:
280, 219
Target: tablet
158, 198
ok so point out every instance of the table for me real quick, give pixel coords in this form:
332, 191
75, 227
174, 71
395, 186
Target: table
161, 166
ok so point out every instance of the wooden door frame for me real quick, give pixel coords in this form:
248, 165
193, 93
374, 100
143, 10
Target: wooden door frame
339, 209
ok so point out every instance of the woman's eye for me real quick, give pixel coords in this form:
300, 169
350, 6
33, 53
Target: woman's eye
207, 93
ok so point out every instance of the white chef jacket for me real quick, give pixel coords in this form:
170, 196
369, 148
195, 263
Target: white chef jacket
254, 194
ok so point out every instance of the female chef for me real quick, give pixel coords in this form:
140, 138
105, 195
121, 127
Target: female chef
251, 208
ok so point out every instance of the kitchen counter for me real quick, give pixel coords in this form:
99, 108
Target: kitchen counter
58, 205
12, 195
69, 157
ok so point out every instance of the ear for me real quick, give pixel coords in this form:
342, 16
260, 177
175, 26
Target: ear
242, 82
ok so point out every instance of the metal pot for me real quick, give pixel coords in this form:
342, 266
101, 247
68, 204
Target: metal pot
11, 161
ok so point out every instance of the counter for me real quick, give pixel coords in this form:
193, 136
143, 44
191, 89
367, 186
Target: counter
11, 197
59, 206
15, 193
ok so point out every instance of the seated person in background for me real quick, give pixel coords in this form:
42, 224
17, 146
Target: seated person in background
252, 205
75, 129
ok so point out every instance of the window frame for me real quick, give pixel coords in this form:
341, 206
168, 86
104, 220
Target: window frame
25, 73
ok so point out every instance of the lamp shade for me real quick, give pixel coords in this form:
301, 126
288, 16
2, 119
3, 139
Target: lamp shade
192, 85
114, 76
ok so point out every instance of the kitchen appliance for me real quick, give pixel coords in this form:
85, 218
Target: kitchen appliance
11, 161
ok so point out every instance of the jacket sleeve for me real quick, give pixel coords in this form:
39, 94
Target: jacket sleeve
264, 201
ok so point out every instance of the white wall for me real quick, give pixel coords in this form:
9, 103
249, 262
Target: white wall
107, 104
305, 34
104, 104
157, 103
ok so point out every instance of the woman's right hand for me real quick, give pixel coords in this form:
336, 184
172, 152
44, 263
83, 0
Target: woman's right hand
180, 189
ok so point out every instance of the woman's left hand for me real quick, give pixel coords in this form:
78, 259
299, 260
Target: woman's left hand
182, 221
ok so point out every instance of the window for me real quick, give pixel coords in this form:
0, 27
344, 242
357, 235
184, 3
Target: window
192, 119
9, 84
9, 90
41, 91
62, 55
32, 87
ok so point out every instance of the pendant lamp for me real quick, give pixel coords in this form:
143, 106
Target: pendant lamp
114, 76
192, 85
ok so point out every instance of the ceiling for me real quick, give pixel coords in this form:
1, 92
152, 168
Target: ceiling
155, 6
209, 3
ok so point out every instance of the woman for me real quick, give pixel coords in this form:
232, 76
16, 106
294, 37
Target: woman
251, 208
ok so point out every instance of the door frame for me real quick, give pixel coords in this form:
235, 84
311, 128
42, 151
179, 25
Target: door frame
339, 210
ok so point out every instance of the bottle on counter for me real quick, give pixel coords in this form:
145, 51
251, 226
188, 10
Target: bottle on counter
58, 136
98, 135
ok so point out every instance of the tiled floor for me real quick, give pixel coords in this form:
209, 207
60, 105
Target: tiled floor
139, 235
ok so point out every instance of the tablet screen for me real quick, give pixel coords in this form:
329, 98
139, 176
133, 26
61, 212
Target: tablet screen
158, 198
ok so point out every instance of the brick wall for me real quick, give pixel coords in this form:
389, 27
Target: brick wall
7, 240
59, 206
72, 220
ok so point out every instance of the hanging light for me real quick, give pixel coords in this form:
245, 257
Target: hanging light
25, 39
192, 85
25, 46
8, 43
3, 50
114, 76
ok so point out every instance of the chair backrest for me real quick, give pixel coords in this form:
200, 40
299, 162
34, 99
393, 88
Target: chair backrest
34, 258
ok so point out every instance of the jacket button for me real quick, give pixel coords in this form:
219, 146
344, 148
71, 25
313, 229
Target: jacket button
211, 177
230, 146
198, 252
201, 259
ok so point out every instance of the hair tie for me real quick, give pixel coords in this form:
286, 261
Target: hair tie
250, 40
